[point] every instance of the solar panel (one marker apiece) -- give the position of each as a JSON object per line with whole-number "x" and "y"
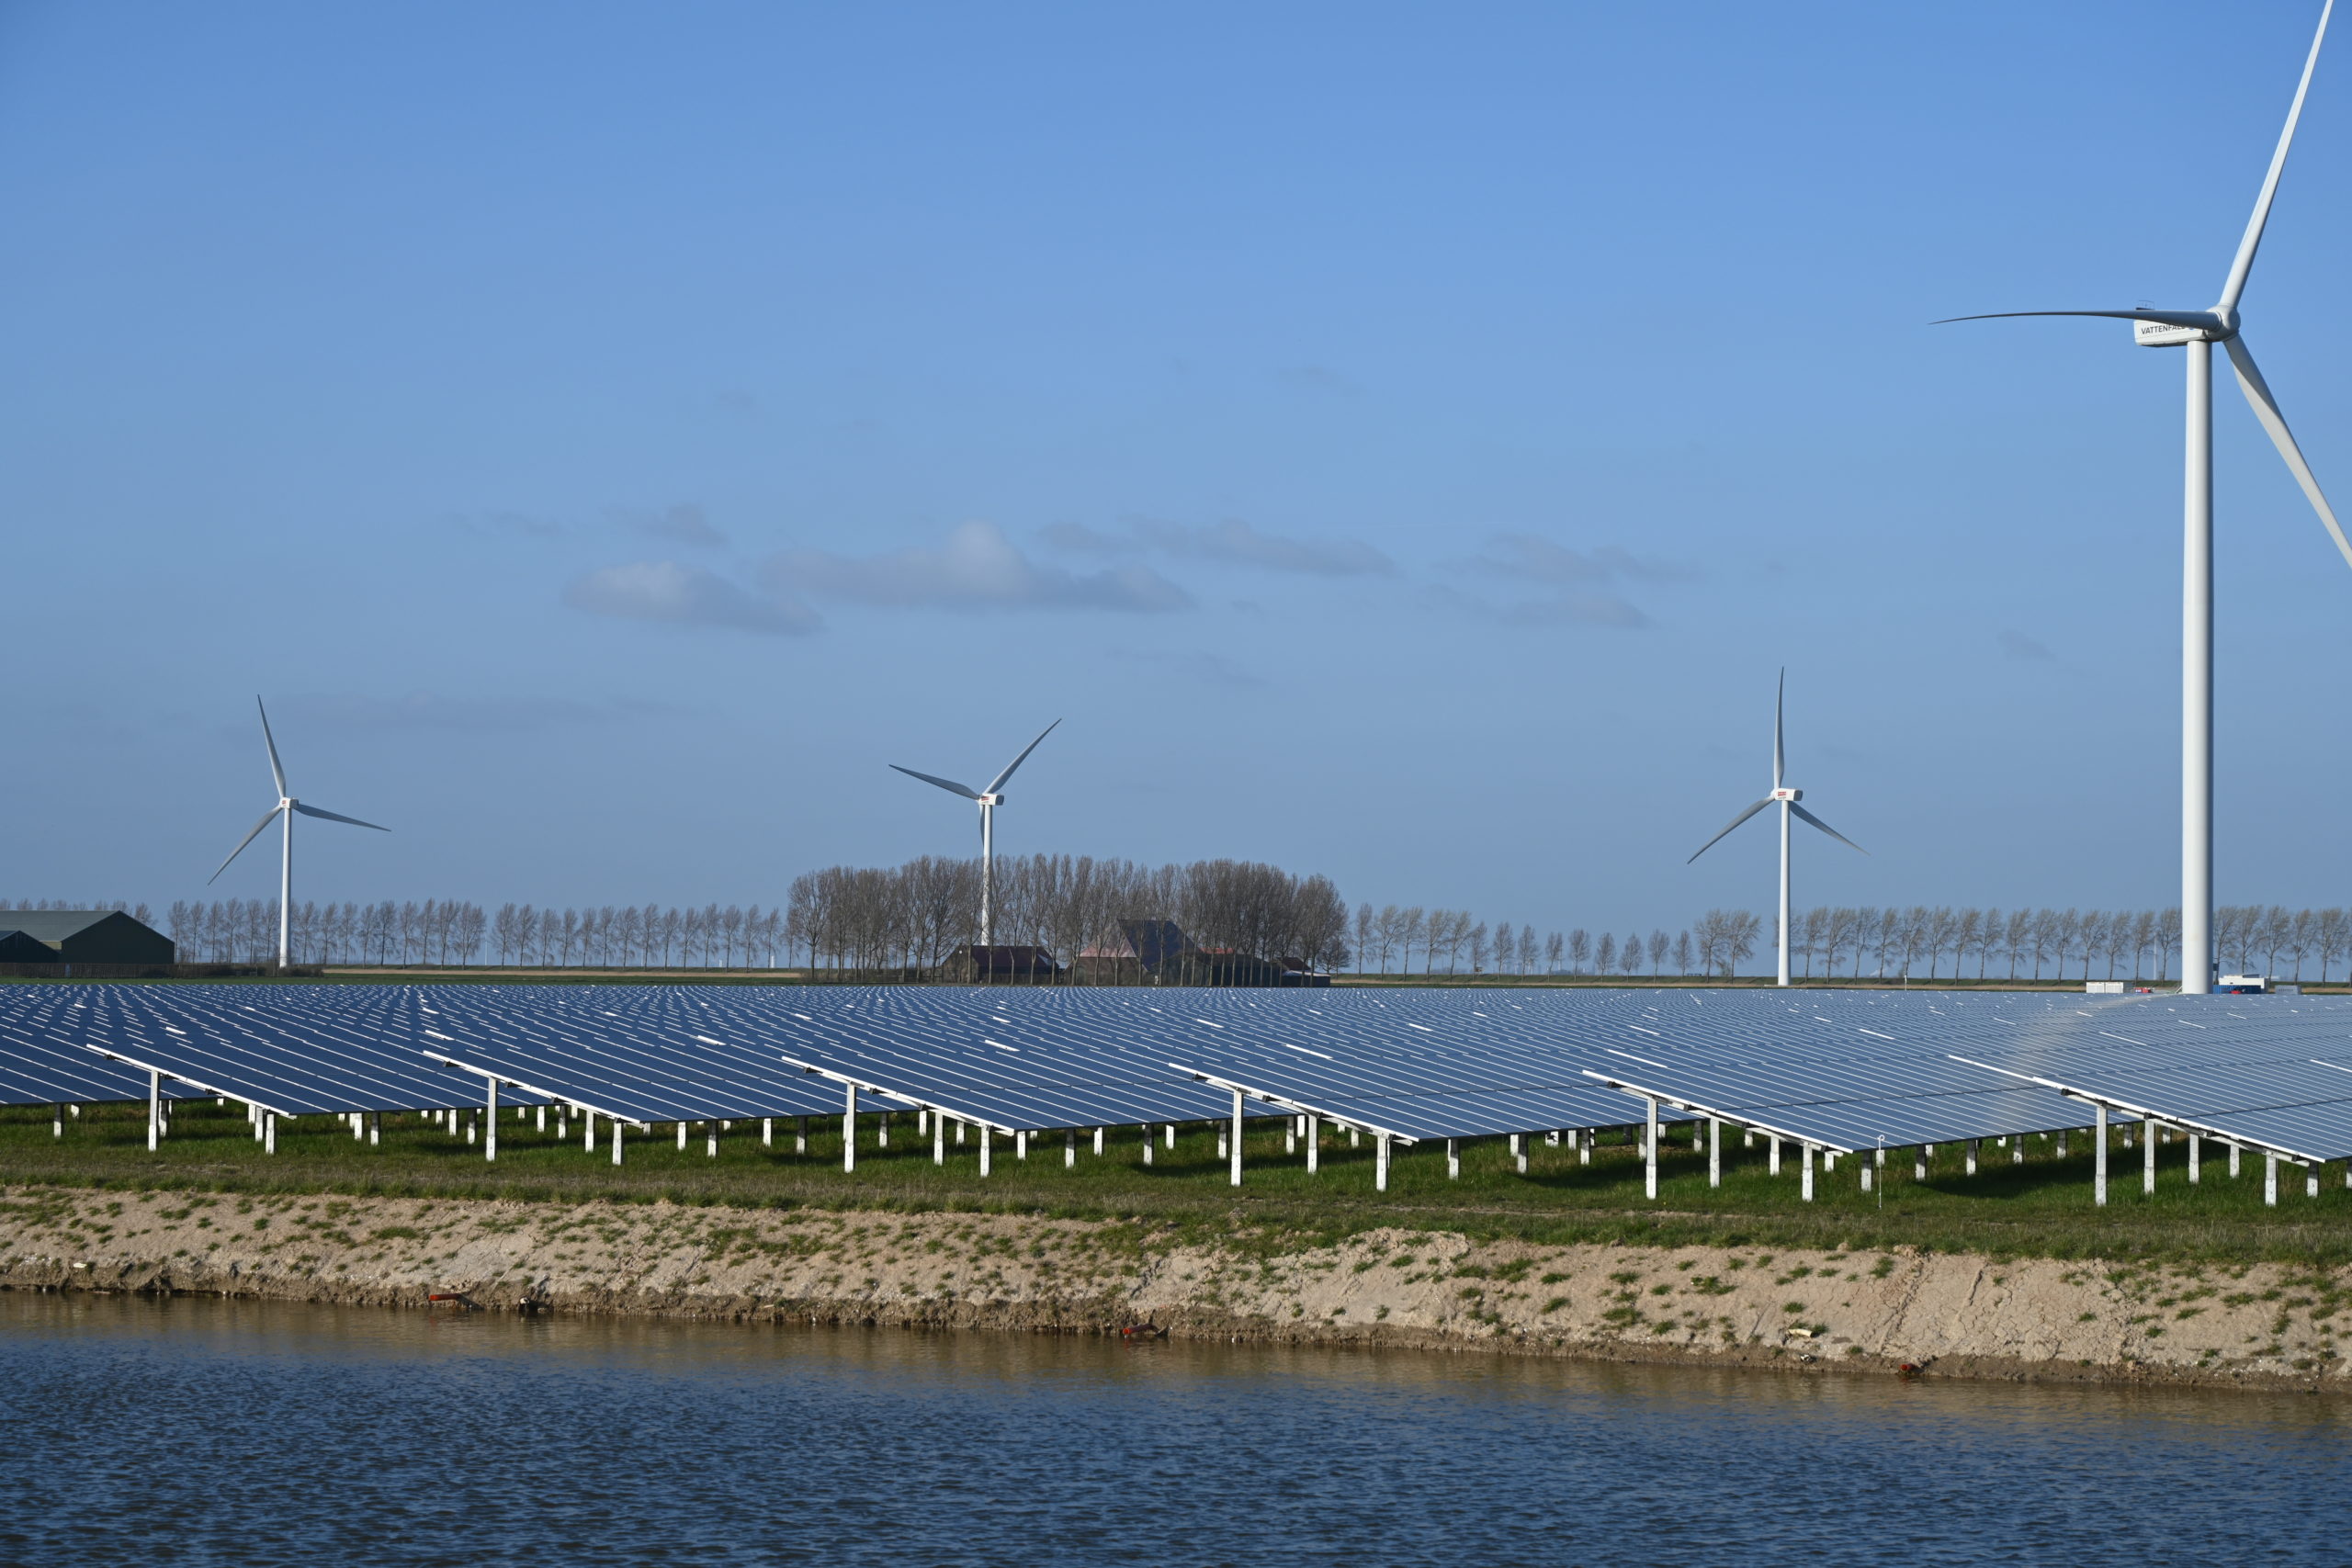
{"x": 1044, "y": 1062}
{"x": 294, "y": 1050}
{"x": 41, "y": 1058}
{"x": 636, "y": 1054}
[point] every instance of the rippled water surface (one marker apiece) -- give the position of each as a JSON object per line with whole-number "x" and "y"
{"x": 203, "y": 1431}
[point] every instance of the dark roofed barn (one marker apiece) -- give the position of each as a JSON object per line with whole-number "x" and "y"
{"x": 15, "y": 947}
{"x": 88, "y": 936}
{"x": 1001, "y": 966}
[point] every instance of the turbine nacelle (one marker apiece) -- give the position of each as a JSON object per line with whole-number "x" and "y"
{"x": 997, "y": 799}
{"x": 2177, "y": 329}
{"x": 1786, "y": 795}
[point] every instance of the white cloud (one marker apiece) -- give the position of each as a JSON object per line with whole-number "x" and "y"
{"x": 1573, "y": 585}
{"x": 685, "y": 595}
{"x": 684, "y": 523}
{"x": 1207, "y": 669}
{"x": 1529, "y": 558}
{"x": 1233, "y": 541}
{"x": 431, "y": 710}
{"x": 1560, "y": 609}
{"x": 977, "y": 568}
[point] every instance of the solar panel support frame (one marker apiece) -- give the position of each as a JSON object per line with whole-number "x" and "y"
{"x": 1295, "y": 1107}
{"x": 867, "y": 1085}
{"x": 2150, "y": 1117}
{"x": 1626, "y": 1086}
{"x": 455, "y": 1064}
{"x": 159, "y": 1075}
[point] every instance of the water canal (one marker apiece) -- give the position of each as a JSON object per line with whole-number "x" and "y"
{"x": 207, "y": 1431}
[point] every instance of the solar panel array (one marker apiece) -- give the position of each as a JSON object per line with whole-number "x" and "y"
{"x": 1842, "y": 1069}
{"x": 295, "y": 1050}
{"x": 635, "y": 1053}
{"x": 2273, "y": 1072}
{"x": 42, "y": 1058}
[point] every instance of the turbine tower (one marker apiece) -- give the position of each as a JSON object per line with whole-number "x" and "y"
{"x": 287, "y": 807}
{"x": 2198, "y": 331}
{"x": 989, "y": 799}
{"x": 1787, "y": 799}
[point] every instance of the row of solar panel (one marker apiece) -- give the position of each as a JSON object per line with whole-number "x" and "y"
{"x": 1842, "y": 1069}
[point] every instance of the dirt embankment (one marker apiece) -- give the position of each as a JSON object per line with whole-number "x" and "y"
{"x": 2257, "y": 1325}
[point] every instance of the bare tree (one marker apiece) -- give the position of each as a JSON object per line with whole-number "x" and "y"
{"x": 1813, "y": 936}
{"x": 2331, "y": 939}
{"x": 1968, "y": 936}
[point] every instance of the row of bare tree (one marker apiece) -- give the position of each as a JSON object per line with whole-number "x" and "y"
{"x": 1453, "y": 941}
{"x": 2142, "y": 944}
{"x": 245, "y": 931}
{"x": 914, "y": 916}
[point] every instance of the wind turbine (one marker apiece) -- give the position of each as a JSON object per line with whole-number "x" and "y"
{"x": 2198, "y": 330}
{"x": 989, "y": 799}
{"x": 1787, "y": 799}
{"x": 286, "y": 808}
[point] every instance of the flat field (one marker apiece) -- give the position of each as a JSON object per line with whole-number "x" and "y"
{"x": 2041, "y": 1208}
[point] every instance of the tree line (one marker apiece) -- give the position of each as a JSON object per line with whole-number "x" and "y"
{"x": 452, "y": 931}
{"x": 914, "y": 916}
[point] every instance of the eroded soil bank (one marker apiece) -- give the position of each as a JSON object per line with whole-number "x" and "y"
{"x": 2257, "y": 1325}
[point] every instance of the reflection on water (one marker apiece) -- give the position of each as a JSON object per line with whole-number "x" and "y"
{"x": 205, "y": 1431}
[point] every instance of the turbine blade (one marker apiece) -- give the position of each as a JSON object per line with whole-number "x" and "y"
{"x": 2244, "y": 263}
{"x": 335, "y": 817}
{"x": 1779, "y": 755}
{"x": 271, "y": 816}
{"x": 2265, "y": 408}
{"x": 997, "y": 782}
{"x": 270, "y": 740}
{"x": 2205, "y": 319}
{"x": 1735, "y": 822}
{"x": 950, "y": 785}
{"x": 1826, "y": 827}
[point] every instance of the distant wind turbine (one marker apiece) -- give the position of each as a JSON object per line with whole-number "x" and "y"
{"x": 2198, "y": 330}
{"x": 286, "y": 808}
{"x": 989, "y": 799}
{"x": 1787, "y": 799}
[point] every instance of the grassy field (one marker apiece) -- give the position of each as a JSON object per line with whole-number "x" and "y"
{"x": 2042, "y": 1208}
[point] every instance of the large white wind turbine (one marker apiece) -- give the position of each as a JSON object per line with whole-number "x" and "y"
{"x": 286, "y": 808}
{"x": 2198, "y": 330}
{"x": 989, "y": 799}
{"x": 1787, "y": 799}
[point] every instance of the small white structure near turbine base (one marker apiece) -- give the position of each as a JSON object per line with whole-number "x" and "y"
{"x": 2258, "y": 986}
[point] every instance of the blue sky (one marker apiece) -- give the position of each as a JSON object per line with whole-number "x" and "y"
{"x": 1401, "y": 442}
